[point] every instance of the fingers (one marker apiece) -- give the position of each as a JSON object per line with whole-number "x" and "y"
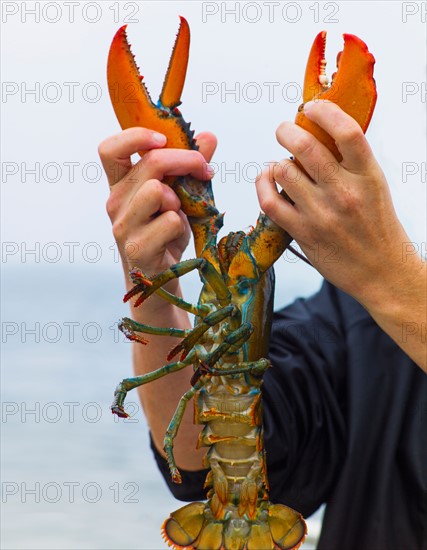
{"x": 297, "y": 185}
{"x": 151, "y": 199}
{"x": 348, "y": 135}
{"x": 148, "y": 224}
{"x": 145, "y": 246}
{"x": 274, "y": 205}
{"x": 207, "y": 143}
{"x": 152, "y": 239}
{"x": 317, "y": 160}
{"x": 115, "y": 151}
{"x": 168, "y": 227}
{"x": 156, "y": 164}
{"x": 160, "y": 163}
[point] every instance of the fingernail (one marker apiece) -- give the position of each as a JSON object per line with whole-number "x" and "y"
{"x": 308, "y": 106}
{"x": 158, "y": 138}
{"x": 210, "y": 170}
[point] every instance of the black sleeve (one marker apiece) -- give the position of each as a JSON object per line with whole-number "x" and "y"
{"x": 191, "y": 487}
{"x": 303, "y": 419}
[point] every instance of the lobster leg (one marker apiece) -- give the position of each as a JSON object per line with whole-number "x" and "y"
{"x": 256, "y": 368}
{"x": 173, "y": 428}
{"x": 209, "y": 321}
{"x": 199, "y": 310}
{"x": 234, "y": 340}
{"x": 146, "y": 287}
{"x": 129, "y": 327}
{"x": 130, "y": 383}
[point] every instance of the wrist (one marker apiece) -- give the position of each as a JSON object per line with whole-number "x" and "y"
{"x": 399, "y": 308}
{"x": 391, "y": 293}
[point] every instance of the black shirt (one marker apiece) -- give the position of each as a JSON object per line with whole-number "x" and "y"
{"x": 345, "y": 418}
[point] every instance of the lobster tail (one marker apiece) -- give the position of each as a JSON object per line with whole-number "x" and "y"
{"x": 274, "y": 527}
{"x": 183, "y": 527}
{"x": 288, "y": 529}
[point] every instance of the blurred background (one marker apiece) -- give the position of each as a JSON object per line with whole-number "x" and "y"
{"x": 74, "y": 477}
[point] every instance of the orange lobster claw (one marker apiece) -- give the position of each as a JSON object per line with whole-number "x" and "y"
{"x": 352, "y": 87}
{"x": 134, "y": 107}
{"x": 131, "y": 100}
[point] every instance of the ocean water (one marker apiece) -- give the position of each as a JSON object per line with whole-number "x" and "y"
{"x": 73, "y": 476}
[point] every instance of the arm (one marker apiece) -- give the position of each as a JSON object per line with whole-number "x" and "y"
{"x": 347, "y": 208}
{"x": 151, "y": 233}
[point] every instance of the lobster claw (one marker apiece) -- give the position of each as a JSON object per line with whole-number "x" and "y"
{"x": 352, "y": 87}
{"x": 134, "y": 107}
{"x": 131, "y": 100}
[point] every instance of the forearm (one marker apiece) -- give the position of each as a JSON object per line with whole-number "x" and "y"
{"x": 398, "y": 304}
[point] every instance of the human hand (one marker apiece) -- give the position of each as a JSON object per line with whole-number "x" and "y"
{"x": 150, "y": 229}
{"x": 343, "y": 216}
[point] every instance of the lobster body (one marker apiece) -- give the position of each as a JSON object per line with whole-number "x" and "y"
{"x": 228, "y": 345}
{"x": 229, "y": 406}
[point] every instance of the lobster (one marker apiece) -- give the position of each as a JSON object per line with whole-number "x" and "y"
{"x": 228, "y": 345}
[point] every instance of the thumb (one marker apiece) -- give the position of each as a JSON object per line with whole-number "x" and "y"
{"x": 207, "y": 143}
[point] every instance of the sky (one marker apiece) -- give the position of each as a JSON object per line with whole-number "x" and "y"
{"x": 56, "y": 109}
